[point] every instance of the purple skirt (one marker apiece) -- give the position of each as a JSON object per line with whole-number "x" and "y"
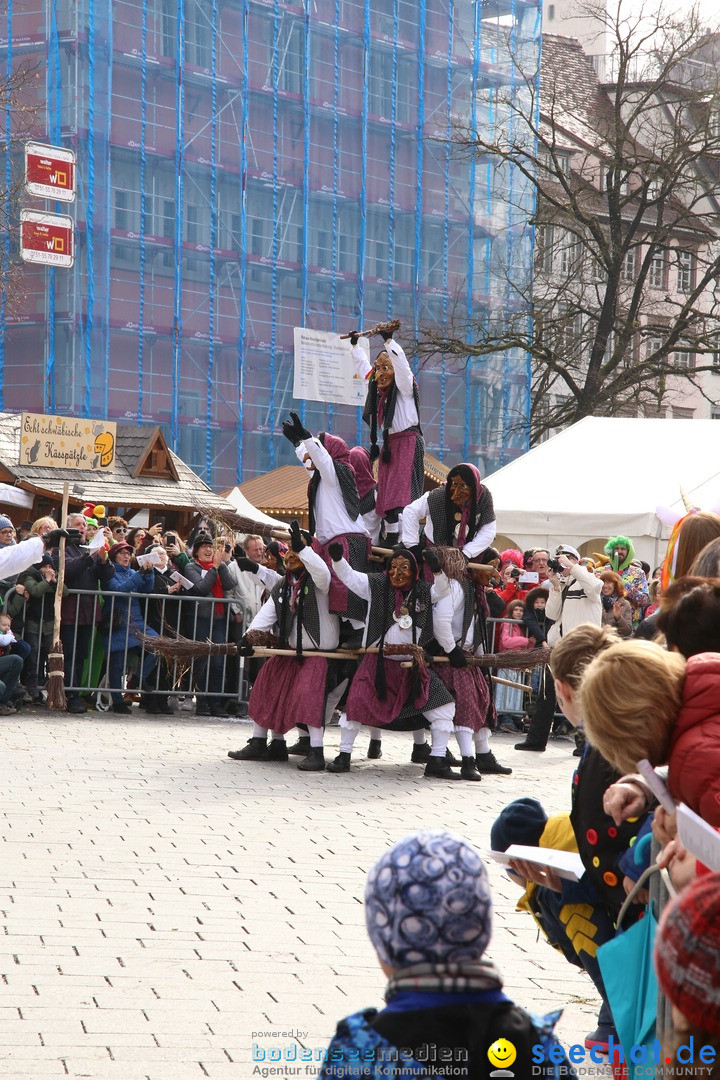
{"x": 400, "y": 481}
{"x": 356, "y": 548}
{"x": 287, "y": 693}
{"x": 364, "y": 706}
{"x": 471, "y": 693}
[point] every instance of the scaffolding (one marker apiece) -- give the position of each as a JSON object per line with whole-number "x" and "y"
{"x": 256, "y": 165}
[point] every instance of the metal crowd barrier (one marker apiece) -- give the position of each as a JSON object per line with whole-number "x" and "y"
{"x": 197, "y": 618}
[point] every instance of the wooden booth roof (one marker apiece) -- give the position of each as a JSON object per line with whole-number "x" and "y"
{"x": 282, "y": 493}
{"x": 146, "y": 473}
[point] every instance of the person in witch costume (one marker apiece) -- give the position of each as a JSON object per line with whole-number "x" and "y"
{"x": 367, "y": 490}
{"x": 458, "y": 513}
{"x": 384, "y": 694}
{"x": 392, "y": 406}
{"x": 459, "y": 631}
{"x": 334, "y": 509}
{"x": 292, "y": 690}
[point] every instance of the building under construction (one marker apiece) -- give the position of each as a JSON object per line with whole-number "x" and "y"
{"x": 249, "y": 166}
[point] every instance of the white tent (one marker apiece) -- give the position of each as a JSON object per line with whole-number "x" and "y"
{"x": 246, "y": 508}
{"x": 605, "y": 476}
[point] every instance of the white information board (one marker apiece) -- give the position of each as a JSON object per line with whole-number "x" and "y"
{"x": 324, "y": 370}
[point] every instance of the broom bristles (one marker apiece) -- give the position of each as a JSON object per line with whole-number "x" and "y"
{"x": 242, "y": 523}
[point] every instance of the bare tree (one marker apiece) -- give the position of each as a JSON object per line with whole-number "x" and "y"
{"x": 624, "y": 296}
{"x": 18, "y": 114}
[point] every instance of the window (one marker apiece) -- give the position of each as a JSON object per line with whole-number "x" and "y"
{"x": 380, "y": 86}
{"x": 292, "y": 58}
{"x": 551, "y": 12}
{"x": 197, "y": 31}
{"x": 715, "y": 413}
{"x": 622, "y": 187}
{"x": 657, "y": 274}
{"x": 544, "y": 247}
{"x": 685, "y": 271}
{"x": 628, "y": 271}
{"x": 653, "y": 344}
{"x": 685, "y": 358}
{"x": 122, "y": 203}
{"x": 561, "y": 164}
{"x": 570, "y": 254}
{"x": 682, "y": 414}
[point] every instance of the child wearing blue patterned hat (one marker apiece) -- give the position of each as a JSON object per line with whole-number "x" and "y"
{"x": 428, "y": 912}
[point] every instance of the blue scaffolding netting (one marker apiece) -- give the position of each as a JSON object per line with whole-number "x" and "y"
{"x": 248, "y": 167}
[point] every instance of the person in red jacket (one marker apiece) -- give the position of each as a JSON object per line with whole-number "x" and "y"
{"x": 641, "y": 701}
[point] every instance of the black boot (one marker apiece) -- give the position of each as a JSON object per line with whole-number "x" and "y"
{"x": 453, "y": 761}
{"x": 528, "y": 745}
{"x": 420, "y": 753}
{"x": 488, "y": 763}
{"x": 164, "y": 707}
{"x": 301, "y": 747}
{"x": 340, "y": 764}
{"x": 469, "y": 770}
{"x": 148, "y": 702}
{"x": 256, "y": 749}
{"x": 314, "y": 762}
{"x": 375, "y": 749}
{"x": 438, "y": 768}
{"x": 278, "y": 750}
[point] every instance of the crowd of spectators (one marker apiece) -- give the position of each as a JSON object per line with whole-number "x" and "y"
{"x": 135, "y": 583}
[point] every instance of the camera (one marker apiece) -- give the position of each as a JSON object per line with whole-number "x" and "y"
{"x": 556, "y": 566}
{"x": 515, "y": 573}
{"x": 228, "y": 549}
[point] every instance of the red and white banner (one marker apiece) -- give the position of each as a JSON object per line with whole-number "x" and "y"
{"x": 47, "y": 238}
{"x": 50, "y": 172}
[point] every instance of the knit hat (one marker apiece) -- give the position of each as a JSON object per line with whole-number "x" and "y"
{"x": 687, "y": 953}
{"x": 5, "y": 522}
{"x": 200, "y": 539}
{"x": 521, "y": 822}
{"x": 115, "y": 549}
{"x": 427, "y": 900}
{"x": 46, "y": 560}
{"x": 512, "y": 555}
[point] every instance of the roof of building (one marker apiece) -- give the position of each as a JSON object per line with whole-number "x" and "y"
{"x": 146, "y": 472}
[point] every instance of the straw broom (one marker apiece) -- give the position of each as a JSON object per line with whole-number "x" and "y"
{"x": 244, "y": 524}
{"x": 56, "y": 658}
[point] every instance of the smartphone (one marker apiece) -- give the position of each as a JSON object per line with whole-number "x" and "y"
{"x": 530, "y": 577}
{"x": 171, "y": 540}
{"x": 161, "y": 523}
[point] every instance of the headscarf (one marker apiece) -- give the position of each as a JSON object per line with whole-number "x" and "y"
{"x": 470, "y": 475}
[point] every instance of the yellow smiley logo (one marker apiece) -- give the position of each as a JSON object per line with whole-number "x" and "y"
{"x": 502, "y": 1053}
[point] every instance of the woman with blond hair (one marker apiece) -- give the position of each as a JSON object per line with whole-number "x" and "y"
{"x": 671, "y": 716}
{"x": 616, "y": 610}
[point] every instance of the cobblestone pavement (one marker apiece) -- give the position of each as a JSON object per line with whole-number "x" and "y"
{"x": 165, "y": 908}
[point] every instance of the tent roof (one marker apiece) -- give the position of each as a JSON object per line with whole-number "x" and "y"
{"x": 608, "y": 474}
{"x": 246, "y": 508}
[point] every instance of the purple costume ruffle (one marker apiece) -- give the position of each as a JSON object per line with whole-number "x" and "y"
{"x": 397, "y": 482}
{"x": 287, "y": 693}
{"x": 364, "y": 706}
{"x": 471, "y": 693}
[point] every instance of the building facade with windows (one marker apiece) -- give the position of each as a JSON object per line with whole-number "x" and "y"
{"x": 250, "y": 166}
{"x": 627, "y": 249}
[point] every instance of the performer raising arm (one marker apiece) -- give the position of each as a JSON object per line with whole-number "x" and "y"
{"x": 393, "y": 406}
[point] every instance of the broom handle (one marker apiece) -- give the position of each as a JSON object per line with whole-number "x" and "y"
{"x": 61, "y": 563}
{"x": 338, "y": 654}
